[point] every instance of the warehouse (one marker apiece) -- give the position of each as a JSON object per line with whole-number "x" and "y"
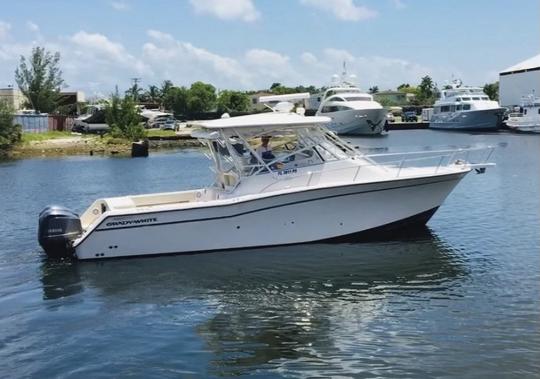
{"x": 519, "y": 80}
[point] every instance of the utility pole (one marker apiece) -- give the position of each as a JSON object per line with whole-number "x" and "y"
{"x": 135, "y": 82}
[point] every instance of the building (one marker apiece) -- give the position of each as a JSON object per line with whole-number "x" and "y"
{"x": 13, "y": 97}
{"x": 519, "y": 80}
{"x": 396, "y": 98}
{"x": 254, "y": 105}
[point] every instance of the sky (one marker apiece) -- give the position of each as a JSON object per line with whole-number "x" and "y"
{"x": 250, "y": 44}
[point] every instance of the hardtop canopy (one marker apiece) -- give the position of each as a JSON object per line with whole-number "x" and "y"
{"x": 272, "y": 120}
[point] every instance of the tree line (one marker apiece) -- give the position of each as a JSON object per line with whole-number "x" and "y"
{"x": 39, "y": 78}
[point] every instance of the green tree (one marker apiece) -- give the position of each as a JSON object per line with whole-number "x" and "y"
{"x": 40, "y": 79}
{"x": 152, "y": 94}
{"x": 134, "y": 91}
{"x": 123, "y": 118}
{"x": 165, "y": 87}
{"x": 426, "y": 92}
{"x": 232, "y": 101}
{"x": 201, "y": 98}
{"x": 373, "y": 89}
{"x": 492, "y": 90}
{"x": 176, "y": 100}
{"x": 9, "y": 132}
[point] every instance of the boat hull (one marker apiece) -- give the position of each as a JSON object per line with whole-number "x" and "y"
{"x": 486, "y": 119}
{"x": 358, "y": 121}
{"x": 335, "y": 213}
{"x": 521, "y": 127}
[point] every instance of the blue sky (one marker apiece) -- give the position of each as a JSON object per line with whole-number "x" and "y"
{"x": 249, "y": 44}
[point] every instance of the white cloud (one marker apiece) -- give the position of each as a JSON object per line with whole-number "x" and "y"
{"x": 94, "y": 63}
{"x": 4, "y": 29}
{"x": 120, "y": 5}
{"x": 32, "y": 26}
{"x": 345, "y": 10}
{"x": 243, "y": 10}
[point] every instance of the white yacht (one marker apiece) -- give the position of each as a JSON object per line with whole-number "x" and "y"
{"x": 528, "y": 119}
{"x": 352, "y": 111}
{"x": 280, "y": 178}
{"x": 466, "y": 108}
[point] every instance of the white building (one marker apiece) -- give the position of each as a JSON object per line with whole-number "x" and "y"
{"x": 13, "y": 97}
{"x": 519, "y": 80}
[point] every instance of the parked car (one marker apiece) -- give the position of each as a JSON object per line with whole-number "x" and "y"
{"x": 390, "y": 117}
{"x": 409, "y": 116}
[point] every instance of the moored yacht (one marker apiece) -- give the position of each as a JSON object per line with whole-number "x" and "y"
{"x": 280, "y": 178}
{"x": 352, "y": 111}
{"x": 465, "y": 108}
{"x": 528, "y": 119}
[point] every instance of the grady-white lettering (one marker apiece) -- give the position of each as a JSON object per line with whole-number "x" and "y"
{"x": 132, "y": 222}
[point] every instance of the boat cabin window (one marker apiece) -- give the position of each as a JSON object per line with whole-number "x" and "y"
{"x": 476, "y": 98}
{"x": 358, "y": 98}
{"x": 485, "y": 98}
{"x": 466, "y": 107}
{"x": 466, "y": 98}
{"x": 334, "y": 108}
{"x": 458, "y": 107}
{"x": 445, "y": 108}
{"x": 337, "y": 98}
{"x": 539, "y": 111}
{"x": 525, "y": 111}
{"x": 458, "y": 98}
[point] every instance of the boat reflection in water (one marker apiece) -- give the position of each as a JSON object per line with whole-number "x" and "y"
{"x": 269, "y": 308}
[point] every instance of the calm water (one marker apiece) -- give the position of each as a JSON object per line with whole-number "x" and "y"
{"x": 460, "y": 300}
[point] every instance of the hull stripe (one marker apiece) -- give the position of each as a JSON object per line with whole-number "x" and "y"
{"x": 270, "y": 207}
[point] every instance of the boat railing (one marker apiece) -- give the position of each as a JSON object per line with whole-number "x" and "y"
{"x": 434, "y": 163}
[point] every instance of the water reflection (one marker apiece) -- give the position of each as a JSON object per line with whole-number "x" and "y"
{"x": 270, "y": 306}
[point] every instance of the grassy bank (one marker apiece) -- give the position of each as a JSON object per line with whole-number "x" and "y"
{"x": 53, "y": 144}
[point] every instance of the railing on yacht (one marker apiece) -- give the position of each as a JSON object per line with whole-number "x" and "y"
{"x": 435, "y": 163}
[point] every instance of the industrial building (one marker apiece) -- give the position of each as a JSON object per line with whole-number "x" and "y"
{"x": 519, "y": 80}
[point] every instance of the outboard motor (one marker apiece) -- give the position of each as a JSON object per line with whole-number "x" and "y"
{"x": 58, "y": 227}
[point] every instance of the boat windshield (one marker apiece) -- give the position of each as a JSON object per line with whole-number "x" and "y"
{"x": 245, "y": 152}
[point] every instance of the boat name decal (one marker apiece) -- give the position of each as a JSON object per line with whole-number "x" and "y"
{"x": 132, "y": 222}
{"x": 288, "y": 171}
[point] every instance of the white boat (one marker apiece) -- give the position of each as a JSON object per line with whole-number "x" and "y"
{"x": 466, "y": 108}
{"x": 352, "y": 111}
{"x": 528, "y": 119}
{"x": 304, "y": 185}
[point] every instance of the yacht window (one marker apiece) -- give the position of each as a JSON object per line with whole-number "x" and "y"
{"x": 445, "y": 108}
{"x": 524, "y": 111}
{"x": 458, "y": 98}
{"x": 485, "y": 98}
{"x": 539, "y": 111}
{"x": 330, "y": 109}
{"x": 458, "y": 107}
{"x": 337, "y": 99}
{"x": 358, "y": 98}
{"x": 476, "y": 98}
{"x": 466, "y": 98}
{"x": 466, "y": 107}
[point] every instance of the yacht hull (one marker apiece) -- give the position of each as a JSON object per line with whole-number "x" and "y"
{"x": 358, "y": 121}
{"x": 521, "y": 127}
{"x": 320, "y": 214}
{"x": 486, "y": 119}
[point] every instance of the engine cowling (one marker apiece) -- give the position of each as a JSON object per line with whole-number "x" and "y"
{"x": 58, "y": 227}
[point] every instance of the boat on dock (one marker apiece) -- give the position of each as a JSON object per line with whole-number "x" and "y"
{"x": 528, "y": 119}
{"x": 280, "y": 178}
{"x": 466, "y": 108}
{"x": 352, "y": 111}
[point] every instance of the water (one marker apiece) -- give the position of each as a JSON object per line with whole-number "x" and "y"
{"x": 460, "y": 300}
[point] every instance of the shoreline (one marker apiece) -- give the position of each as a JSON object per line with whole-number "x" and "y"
{"x": 92, "y": 145}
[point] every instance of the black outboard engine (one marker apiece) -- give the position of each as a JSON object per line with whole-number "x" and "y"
{"x": 58, "y": 227}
